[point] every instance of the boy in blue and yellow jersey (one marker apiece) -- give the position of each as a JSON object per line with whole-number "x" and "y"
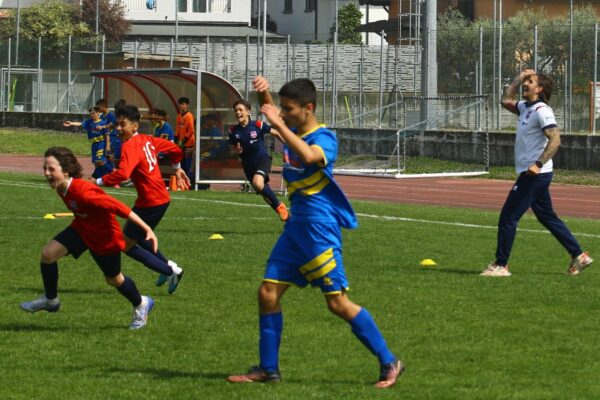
{"x": 162, "y": 129}
{"x": 310, "y": 248}
{"x": 247, "y": 139}
{"x": 97, "y": 136}
{"x": 113, "y": 144}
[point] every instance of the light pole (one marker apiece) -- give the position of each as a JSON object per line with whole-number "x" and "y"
{"x": 176, "y": 24}
{"x": 264, "y": 47}
{"x": 18, "y": 28}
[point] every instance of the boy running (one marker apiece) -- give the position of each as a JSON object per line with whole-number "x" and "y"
{"x": 139, "y": 162}
{"x": 310, "y": 248}
{"x": 247, "y": 139}
{"x": 95, "y": 228}
{"x": 113, "y": 144}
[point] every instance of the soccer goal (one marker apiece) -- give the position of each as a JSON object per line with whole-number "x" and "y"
{"x": 453, "y": 140}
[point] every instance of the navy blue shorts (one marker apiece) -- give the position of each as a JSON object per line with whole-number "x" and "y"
{"x": 109, "y": 264}
{"x": 150, "y": 215}
{"x": 260, "y": 166}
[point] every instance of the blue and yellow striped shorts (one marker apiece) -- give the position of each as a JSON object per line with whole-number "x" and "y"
{"x": 308, "y": 252}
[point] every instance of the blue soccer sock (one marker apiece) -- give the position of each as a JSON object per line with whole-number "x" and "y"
{"x": 365, "y": 329}
{"x": 149, "y": 259}
{"x": 269, "y": 196}
{"x": 270, "y": 327}
{"x": 130, "y": 291}
{"x": 147, "y": 245}
{"x": 50, "y": 279}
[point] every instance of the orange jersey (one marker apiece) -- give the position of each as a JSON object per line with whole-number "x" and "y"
{"x": 185, "y": 129}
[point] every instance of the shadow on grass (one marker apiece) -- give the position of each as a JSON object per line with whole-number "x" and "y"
{"x": 40, "y": 289}
{"x": 450, "y": 271}
{"x": 164, "y": 373}
{"x": 20, "y": 327}
{"x": 16, "y": 327}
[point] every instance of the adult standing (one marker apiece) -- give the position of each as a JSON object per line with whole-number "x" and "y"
{"x": 537, "y": 140}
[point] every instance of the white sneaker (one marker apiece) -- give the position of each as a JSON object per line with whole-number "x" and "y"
{"x": 41, "y": 304}
{"x": 579, "y": 263}
{"x": 140, "y": 313}
{"x": 496, "y": 270}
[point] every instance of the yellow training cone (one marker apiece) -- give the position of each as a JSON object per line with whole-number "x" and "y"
{"x": 427, "y": 262}
{"x": 216, "y": 236}
{"x": 49, "y": 216}
{"x": 63, "y": 214}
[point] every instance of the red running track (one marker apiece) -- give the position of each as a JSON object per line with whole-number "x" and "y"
{"x": 569, "y": 200}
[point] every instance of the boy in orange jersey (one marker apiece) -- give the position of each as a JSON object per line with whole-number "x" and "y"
{"x": 185, "y": 133}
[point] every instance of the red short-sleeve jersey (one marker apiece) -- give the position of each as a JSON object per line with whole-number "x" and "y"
{"x": 139, "y": 162}
{"x": 95, "y": 213}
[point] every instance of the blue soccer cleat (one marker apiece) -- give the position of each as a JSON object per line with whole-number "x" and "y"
{"x": 174, "y": 280}
{"x": 41, "y": 304}
{"x": 141, "y": 312}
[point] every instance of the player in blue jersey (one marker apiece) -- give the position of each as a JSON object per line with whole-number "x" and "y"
{"x": 162, "y": 129}
{"x": 97, "y": 136}
{"x": 113, "y": 145}
{"x": 309, "y": 251}
{"x": 247, "y": 139}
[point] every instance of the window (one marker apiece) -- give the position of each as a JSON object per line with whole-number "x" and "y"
{"x": 287, "y": 6}
{"x": 181, "y": 5}
{"x": 311, "y": 5}
{"x": 199, "y": 6}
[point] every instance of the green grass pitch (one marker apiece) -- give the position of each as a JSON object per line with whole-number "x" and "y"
{"x": 462, "y": 336}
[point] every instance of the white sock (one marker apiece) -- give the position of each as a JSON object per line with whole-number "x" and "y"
{"x": 144, "y": 302}
{"x": 52, "y": 301}
{"x": 176, "y": 269}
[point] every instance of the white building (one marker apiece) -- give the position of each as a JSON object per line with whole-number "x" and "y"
{"x": 203, "y": 11}
{"x": 311, "y": 20}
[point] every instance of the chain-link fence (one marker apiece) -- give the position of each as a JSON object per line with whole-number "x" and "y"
{"x": 358, "y": 86}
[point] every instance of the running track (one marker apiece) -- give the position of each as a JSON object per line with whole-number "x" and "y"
{"x": 488, "y": 194}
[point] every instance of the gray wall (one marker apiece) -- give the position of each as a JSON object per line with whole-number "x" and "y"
{"x": 576, "y": 152}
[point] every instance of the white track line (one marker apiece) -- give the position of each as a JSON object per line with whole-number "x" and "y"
{"x": 371, "y": 216}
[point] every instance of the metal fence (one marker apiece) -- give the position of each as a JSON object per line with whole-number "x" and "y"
{"x": 358, "y": 86}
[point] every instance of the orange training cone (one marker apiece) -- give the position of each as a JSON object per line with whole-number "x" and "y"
{"x": 173, "y": 184}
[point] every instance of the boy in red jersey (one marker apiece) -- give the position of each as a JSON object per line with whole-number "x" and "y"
{"x": 139, "y": 162}
{"x": 185, "y": 133}
{"x": 94, "y": 228}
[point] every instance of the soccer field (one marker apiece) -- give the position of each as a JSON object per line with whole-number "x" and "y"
{"x": 531, "y": 336}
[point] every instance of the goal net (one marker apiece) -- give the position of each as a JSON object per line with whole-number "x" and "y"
{"x": 453, "y": 140}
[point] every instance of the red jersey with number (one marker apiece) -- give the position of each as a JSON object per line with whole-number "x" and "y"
{"x": 139, "y": 162}
{"x": 95, "y": 213}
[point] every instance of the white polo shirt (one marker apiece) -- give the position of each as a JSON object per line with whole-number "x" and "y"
{"x": 530, "y": 142}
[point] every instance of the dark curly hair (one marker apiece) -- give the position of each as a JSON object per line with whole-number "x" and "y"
{"x": 67, "y": 160}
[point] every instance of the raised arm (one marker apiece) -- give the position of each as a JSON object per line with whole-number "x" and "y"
{"x": 71, "y": 123}
{"x": 308, "y": 154}
{"x": 261, "y": 85}
{"x": 508, "y": 101}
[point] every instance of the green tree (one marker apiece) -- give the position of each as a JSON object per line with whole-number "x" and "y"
{"x": 52, "y": 20}
{"x": 112, "y": 22}
{"x": 458, "y": 47}
{"x": 349, "y": 20}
